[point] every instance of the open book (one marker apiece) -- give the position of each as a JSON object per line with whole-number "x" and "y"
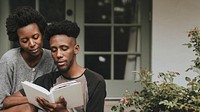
{"x": 71, "y": 91}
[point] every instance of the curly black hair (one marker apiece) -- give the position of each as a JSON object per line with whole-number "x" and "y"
{"x": 21, "y": 17}
{"x": 65, "y": 27}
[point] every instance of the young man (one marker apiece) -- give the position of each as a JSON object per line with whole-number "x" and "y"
{"x": 64, "y": 48}
{"x": 25, "y": 26}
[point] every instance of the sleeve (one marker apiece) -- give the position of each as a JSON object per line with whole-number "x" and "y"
{"x": 5, "y": 80}
{"x": 97, "y": 98}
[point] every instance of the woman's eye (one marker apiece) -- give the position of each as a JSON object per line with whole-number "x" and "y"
{"x": 36, "y": 36}
{"x": 24, "y": 40}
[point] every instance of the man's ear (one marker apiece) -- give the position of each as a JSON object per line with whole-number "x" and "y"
{"x": 76, "y": 49}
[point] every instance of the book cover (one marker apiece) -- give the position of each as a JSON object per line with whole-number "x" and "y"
{"x": 71, "y": 91}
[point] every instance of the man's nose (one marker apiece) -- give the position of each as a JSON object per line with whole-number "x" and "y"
{"x": 59, "y": 53}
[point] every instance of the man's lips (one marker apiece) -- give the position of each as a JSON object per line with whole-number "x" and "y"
{"x": 60, "y": 63}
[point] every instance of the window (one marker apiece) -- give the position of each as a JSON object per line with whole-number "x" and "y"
{"x": 52, "y": 10}
{"x": 17, "y": 3}
{"x": 117, "y": 41}
{"x": 113, "y": 40}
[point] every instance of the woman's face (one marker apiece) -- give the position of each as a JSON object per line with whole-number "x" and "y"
{"x": 30, "y": 39}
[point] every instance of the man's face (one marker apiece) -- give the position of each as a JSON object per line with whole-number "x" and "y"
{"x": 30, "y": 39}
{"x": 63, "y": 50}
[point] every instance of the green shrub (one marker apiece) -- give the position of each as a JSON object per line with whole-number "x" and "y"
{"x": 166, "y": 96}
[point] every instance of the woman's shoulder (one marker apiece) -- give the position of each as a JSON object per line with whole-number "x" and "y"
{"x": 47, "y": 57}
{"x": 46, "y": 51}
{"x": 11, "y": 54}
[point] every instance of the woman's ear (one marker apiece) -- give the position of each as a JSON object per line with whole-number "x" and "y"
{"x": 76, "y": 49}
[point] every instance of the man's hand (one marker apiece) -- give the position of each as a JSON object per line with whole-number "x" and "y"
{"x": 60, "y": 106}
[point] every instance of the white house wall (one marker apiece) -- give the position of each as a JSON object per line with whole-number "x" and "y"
{"x": 172, "y": 19}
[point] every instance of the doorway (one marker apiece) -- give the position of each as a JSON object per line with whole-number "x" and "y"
{"x": 115, "y": 36}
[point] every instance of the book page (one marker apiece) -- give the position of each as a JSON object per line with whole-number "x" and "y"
{"x": 71, "y": 91}
{"x": 32, "y": 91}
{"x": 73, "y": 94}
{"x": 64, "y": 84}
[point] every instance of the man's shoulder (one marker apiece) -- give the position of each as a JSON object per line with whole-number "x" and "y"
{"x": 92, "y": 75}
{"x": 95, "y": 82}
{"x": 48, "y": 76}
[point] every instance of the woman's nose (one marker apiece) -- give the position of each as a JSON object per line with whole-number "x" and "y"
{"x": 32, "y": 43}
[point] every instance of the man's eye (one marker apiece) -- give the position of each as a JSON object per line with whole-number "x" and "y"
{"x": 64, "y": 48}
{"x": 53, "y": 49}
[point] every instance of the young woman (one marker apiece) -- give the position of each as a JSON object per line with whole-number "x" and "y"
{"x": 25, "y": 26}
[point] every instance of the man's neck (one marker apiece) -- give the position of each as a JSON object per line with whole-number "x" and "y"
{"x": 74, "y": 72}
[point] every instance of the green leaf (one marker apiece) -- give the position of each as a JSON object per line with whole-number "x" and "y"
{"x": 187, "y": 79}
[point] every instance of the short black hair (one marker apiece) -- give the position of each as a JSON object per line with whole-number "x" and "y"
{"x": 21, "y": 17}
{"x": 65, "y": 27}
